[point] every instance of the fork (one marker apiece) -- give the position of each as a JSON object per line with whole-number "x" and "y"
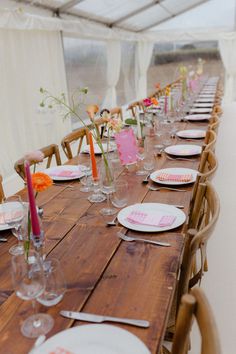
{"x": 145, "y": 180}
{"x": 113, "y": 222}
{"x": 130, "y": 239}
{"x": 167, "y": 188}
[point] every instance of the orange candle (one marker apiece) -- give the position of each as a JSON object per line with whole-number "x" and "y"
{"x": 92, "y": 157}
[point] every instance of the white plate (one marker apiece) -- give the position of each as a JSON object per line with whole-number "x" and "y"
{"x": 203, "y": 105}
{"x": 206, "y": 95}
{"x": 15, "y": 206}
{"x": 201, "y": 110}
{"x": 97, "y": 149}
{"x": 205, "y": 100}
{"x": 191, "y": 134}
{"x": 174, "y": 171}
{"x": 183, "y": 150}
{"x": 64, "y": 168}
{"x": 94, "y": 339}
{"x": 196, "y": 117}
{"x": 145, "y": 207}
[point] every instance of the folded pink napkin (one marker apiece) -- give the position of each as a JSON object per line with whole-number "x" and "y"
{"x": 175, "y": 178}
{"x": 65, "y": 173}
{"x": 150, "y": 219}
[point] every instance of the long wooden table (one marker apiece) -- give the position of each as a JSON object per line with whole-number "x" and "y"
{"x": 104, "y": 274}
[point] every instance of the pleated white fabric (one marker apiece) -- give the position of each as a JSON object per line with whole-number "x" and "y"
{"x": 143, "y": 58}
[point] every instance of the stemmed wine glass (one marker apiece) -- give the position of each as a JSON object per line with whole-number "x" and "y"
{"x": 13, "y": 213}
{"x": 29, "y": 283}
{"x": 107, "y": 187}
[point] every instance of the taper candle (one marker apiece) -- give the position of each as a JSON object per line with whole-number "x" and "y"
{"x": 92, "y": 157}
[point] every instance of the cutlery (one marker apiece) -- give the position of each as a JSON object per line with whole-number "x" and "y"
{"x": 167, "y": 188}
{"x": 82, "y": 316}
{"x": 145, "y": 180}
{"x": 63, "y": 185}
{"x": 40, "y": 340}
{"x": 3, "y": 239}
{"x": 130, "y": 239}
{"x": 180, "y": 158}
{"x": 113, "y": 222}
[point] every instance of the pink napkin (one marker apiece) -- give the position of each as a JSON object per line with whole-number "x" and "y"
{"x": 175, "y": 178}
{"x": 60, "y": 350}
{"x": 65, "y": 173}
{"x": 150, "y": 219}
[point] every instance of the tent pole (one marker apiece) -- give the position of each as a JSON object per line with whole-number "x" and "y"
{"x": 235, "y": 15}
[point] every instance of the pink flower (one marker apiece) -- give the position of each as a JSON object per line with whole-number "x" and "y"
{"x": 147, "y": 102}
{"x": 34, "y": 156}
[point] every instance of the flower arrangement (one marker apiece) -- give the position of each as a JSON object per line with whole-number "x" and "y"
{"x": 150, "y": 102}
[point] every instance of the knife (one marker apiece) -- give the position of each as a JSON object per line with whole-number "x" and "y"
{"x": 82, "y": 316}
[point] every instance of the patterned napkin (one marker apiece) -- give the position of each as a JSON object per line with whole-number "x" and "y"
{"x": 150, "y": 218}
{"x": 174, "y": 177}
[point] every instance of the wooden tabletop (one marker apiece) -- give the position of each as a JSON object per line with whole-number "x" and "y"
{"x": 104, "y": 275}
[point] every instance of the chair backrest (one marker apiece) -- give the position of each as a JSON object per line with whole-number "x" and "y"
{"x": 217, "y": 109}
{"x": 48, "y": 151}
{"x": 201, "y": 224}
{"x": 2, "y": 195}
{"x": 196, "y": 306}
{"x": 210, "y": 140}
{"x": 116, "y": 112}
{"x": 77, "y": 135}
{"x": 208, "y": 165}
{"x": 214, "y": 123}
{"x": 133, "y": 106}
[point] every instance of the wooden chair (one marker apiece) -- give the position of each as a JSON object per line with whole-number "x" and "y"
{"x": 133, "y": 106}
{"x": 214, "y": 123}
{"x": 208, "y": 165}
{"x": 116, "y": 112}
{"x": 210, "y": 140}
{"x": 2, "y": 195}
{"x": 48, "y": 151}
{"x": 201, "y": 224}
{"x": 78, "y": 136}
{"x": 217, "y": 109}
{"x": 196, "y": 306}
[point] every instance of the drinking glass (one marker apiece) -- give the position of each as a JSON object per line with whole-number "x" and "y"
{"x": 29, "y": 283}
{"x": 120, "y": 196}
{"x": 107, "y": 178}
{"x": 149, "y": 161}
{"x": 140, "y": 156}
{"x": 55, "y": 286}
{"x": 14, "y": 211}
{"x": 97, "y": 196}
{"x": 87, "y": 182}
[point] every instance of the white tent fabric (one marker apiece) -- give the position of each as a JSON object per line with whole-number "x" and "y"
{"x": 143, "y": 57}
{"x": 29, "y": 60}
{"x": 113, "y": 72}
{"x": 227, "y": 45}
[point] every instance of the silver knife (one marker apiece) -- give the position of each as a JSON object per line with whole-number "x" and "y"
{"x": 82, "y": 316}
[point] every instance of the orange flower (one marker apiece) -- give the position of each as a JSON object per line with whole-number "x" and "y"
{"x": 154, "y": 101}
{"x": 41, "y": 181}
{"x": 92, "y": 109}
{"x": 158, "y": 85}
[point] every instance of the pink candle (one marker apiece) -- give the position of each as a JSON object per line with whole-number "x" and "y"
{"x": 32, "y": 205}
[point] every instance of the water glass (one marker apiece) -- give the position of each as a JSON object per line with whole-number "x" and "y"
{"x": 120, "y": 195}
{"x": 86, "y": 180}
{"x": 29, "y": 283}
{"x": 149, "y": 161}
{"x": 107, "y": 178}
{"x": 55, "y": 285}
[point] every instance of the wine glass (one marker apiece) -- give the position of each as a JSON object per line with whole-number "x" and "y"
{"x": 29, "y": 283}
{"x": 87, "y": 183}
{"x": 140, "y": 156}
{"x": 14, "y": 212}
{"x": 107, "y": 178}
{"x": 55, "y": 283}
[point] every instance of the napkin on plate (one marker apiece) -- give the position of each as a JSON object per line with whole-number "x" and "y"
{"x": 150, "y": 218}
{"x": 13, "y": 216}
{"x": 65, "y": 173}
{"x": 174, "y": 177}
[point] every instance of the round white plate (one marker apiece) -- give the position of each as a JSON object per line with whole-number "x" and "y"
{"x": 203, "y": 105}
{"x": 183, "y": 150}
{"x": 196, "y": 117}
{"x": 174, "y": 171}
{"x": 204, "y": 100}
{"x": 145, "y": 207}
{"x": 97, "y": 149}
{"x": 200, "y": 110}
{"x": 206, "y": 95}
{"x": 191, "y": 134}
{"x": 63, "y": 168}
{"x": 94, "y": 339}
{"x": 15, "y": 206}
